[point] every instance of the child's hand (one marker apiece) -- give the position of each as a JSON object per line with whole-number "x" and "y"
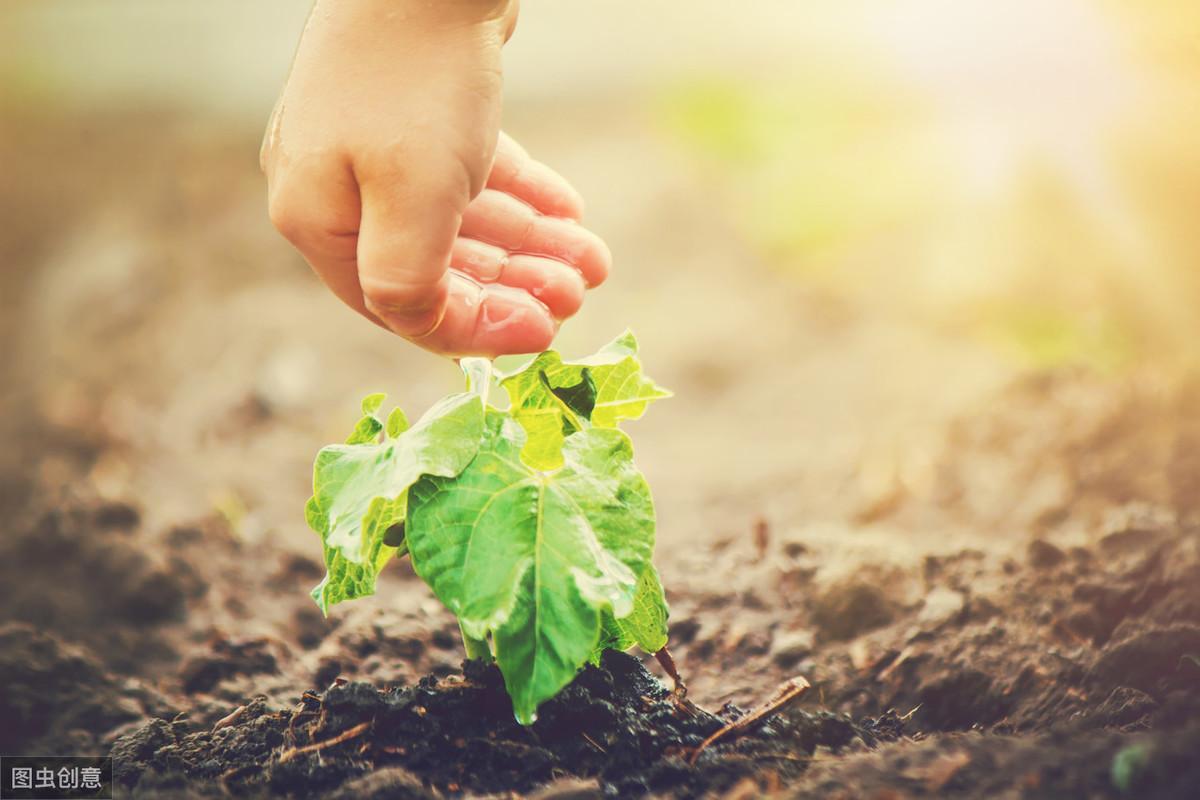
{"x": 377, "y": 159}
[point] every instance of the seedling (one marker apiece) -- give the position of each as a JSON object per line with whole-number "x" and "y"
{"x": 531, "y": 523}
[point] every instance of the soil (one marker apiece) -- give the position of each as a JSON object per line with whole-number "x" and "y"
{"x": 616, "y": 726}
{"x": 994, "y": 587}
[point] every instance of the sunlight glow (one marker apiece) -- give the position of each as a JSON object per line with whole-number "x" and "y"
{"x": 994, "y": 165}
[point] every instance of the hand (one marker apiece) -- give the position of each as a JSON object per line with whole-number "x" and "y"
{"x": 386, "y": 169}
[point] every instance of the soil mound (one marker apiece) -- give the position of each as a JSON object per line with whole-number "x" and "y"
{"x": 616, "y": 727}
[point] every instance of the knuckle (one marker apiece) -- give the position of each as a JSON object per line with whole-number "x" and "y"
{"x": 305, "y": 227}
{"x": 287, "y": 216}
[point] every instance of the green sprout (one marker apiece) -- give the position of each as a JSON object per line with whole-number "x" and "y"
{"x": 531, "y": 523}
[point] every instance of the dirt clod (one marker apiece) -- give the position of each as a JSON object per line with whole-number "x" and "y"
{"x": 51, "y": 689}
{"x": 1044, "y": 555}
{"x": 225, "y": 659}
{"x": 615, "y": 725}
{"x": 851, "y": 607}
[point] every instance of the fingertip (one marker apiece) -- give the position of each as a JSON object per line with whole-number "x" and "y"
{"x": 511, "y": 322}
{"x": 489, "y": 320}
{"x": 573, "y": 244}
{"x": 559, "y": 286}
{"x": 549, "y": 192}
{"x": 532, "y": 182}
{"x": 600, "y": 264}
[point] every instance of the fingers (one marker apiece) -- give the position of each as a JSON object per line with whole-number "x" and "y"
{"x": 405, "y": 236}
{"x": 516, "y": 173}
{"x": 480, "y": 260}
{"x": 556, "y": 285}
{"x": 385, "y": 245}
{"x": 500, "y": 219}
{"x": 491, "y": 320}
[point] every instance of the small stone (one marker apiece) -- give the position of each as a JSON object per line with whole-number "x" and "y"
{"x": 747, "y": 642}
{"x": 790, "y": 647}
{"x": 941, "y": 606}
{"x": 851, "y": 607}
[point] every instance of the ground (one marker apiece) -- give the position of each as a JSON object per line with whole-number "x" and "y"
{"x": 989, "y": 574}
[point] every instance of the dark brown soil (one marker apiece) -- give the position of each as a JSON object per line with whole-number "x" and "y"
{"x": 1015, "y": 613}
{"x": 1038, "y": 688}
{"x": 615, "y": 725}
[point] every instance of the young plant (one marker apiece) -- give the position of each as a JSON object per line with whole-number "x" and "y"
{"x": 530, "y": 523}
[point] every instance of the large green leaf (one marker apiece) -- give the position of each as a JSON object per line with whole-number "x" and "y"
{"x": 645, "y": 626}
{"x": 359, "y": 488}
{"x": 533, "y": 559}
{"x": 552, "y": 398}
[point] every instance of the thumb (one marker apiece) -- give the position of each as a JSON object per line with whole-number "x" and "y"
{"x": 405, "y": 237}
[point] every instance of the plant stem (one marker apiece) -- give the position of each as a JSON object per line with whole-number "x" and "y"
{"x": 476, "y": 648}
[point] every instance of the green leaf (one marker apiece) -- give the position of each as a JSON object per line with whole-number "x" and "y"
{"x": 372, "y": 402}
{"x": 1129, "y": 766}
{"x": 645, "y": 626}
{"x": 580, "y": 398}
{"x": 359, "y": 488}
{"x": 366, "y": 431}
{"x": 550, "y": 397}
{"x": 397, "y": 422}
{"x": 534, "y": 559}
{"x": 346, "y": 578}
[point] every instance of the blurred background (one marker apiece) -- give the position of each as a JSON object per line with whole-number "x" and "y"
{"x": 924, "y": 277}
{"x": 1022, "y": 174}
{"x": 837, "y": 230}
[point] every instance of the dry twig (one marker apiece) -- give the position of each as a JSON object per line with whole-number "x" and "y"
{"x": 344, "y": 736}
{"x": 230, "y": 719}
{"x": 592, "y": 742}
{"x": 786, "y": 694}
